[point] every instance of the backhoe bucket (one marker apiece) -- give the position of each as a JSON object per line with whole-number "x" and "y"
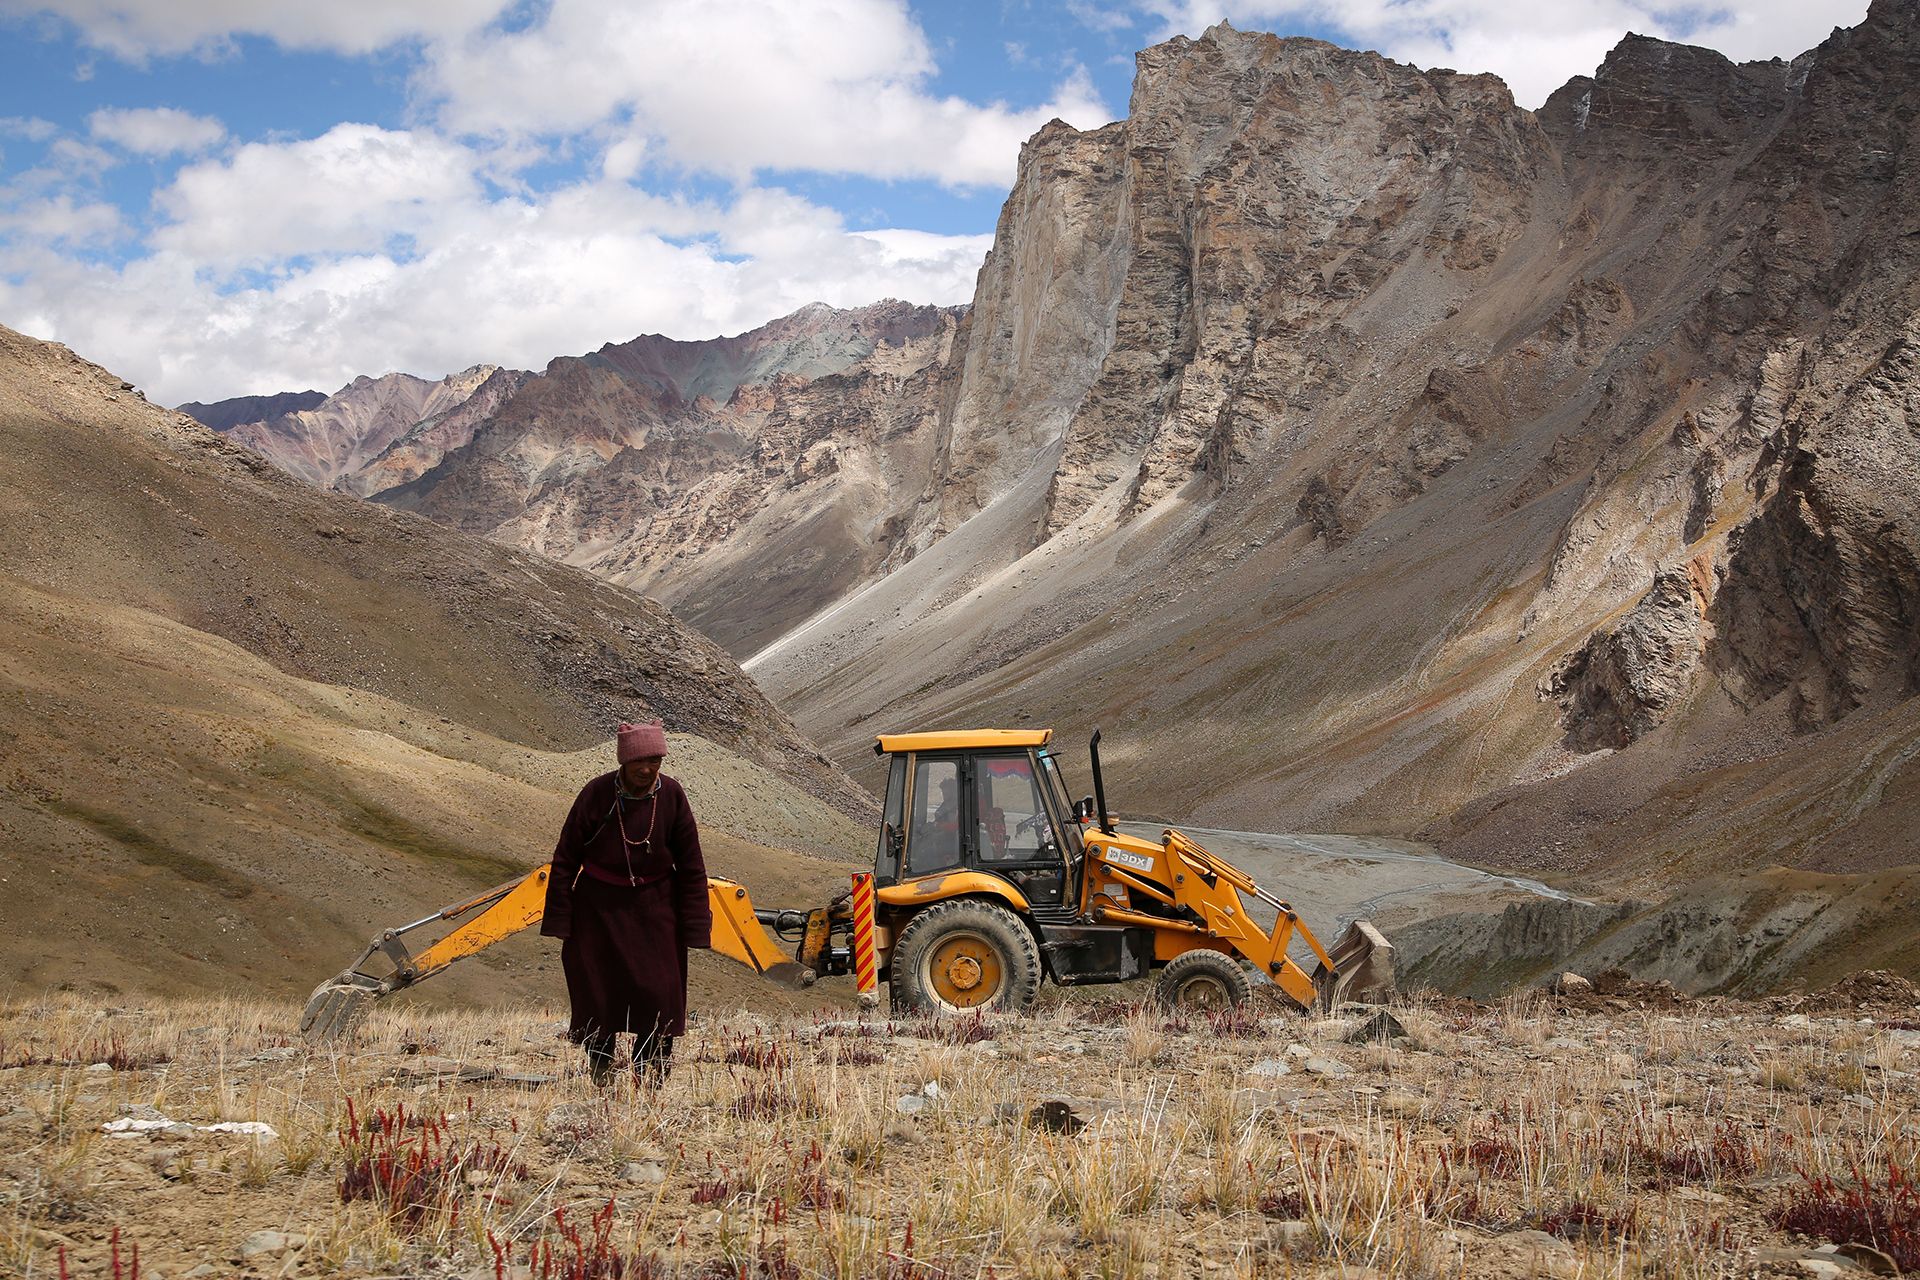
{"x": 337, "y": 1005}
{"x": 739, "y": 935}
{"x": 1362, "y": 967}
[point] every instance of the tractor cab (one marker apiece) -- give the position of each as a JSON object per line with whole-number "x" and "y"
{"x": 987, "y": 800}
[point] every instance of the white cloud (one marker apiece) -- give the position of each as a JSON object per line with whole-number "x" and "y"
{"x": 511, "y": 280}
{"x": 624, "y": 158}
{"x": 155, "y": 131}
{"x": 137, "y": 29}
{"x": 1534, "y": 47}
{"x": 74, "y": 158}
{"x": 835, "y": 86}
{"x": 1097, "y": 15}
{"x": 56, "y": 219}
{"x": 353, "y": 189}
{"x": 32, "y": 128}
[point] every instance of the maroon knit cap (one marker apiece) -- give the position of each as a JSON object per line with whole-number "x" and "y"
{"x": 638, "y": 741}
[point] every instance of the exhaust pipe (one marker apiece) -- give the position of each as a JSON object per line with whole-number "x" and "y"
{"x": 1099, "y": 785}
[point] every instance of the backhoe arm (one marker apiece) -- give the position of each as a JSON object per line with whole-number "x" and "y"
{"x": 337, "y": 1005}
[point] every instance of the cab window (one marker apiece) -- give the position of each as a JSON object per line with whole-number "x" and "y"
{"x": 893, "y": 831}
{"x": 1062, "y": 811}
{"x": 933, "y": 840}
{"x": 1012, "y": 819}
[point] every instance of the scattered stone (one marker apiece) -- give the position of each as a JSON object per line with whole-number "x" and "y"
{"x": 1868, "y": 989}
{"x": 1865, "y": 1255}
{"x": 1382, "y": 1028}
{"x": 268, "y": 1244}
{"x": 1406, "y": 1105}
{"x": 1618, "y": 984}
{"x": 136, "y": 1126}
{"x": 279, "y": 1053}
{"x": 252, "y": 1128}
{"x": 1056, "y": 1117}
{"x": 911, "y": 1104}
{"x": 1813, "y": 1262}
{"x": 1330, "y": 1067}
{"x": 1291, "y": 1236}
{"x": 1569, "y": 983}
{"x": 647, "y": 1171}
{"x": 1544, "y": 1254}
{"x": 1269, "y": 1068}
{"x": 441, "y": 1068}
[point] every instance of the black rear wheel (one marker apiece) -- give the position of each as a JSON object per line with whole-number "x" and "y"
{"x": 962, "y": 956}
{"x": 1202, "y": 980}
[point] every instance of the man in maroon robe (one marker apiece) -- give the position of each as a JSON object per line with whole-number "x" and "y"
{"x": 628, "y": 894}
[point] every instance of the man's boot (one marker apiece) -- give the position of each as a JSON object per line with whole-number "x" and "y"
{"x": 652, "y": 1061}
{"x": 599, "y": 1060}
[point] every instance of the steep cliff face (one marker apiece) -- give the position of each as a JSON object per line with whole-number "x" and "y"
{"x": 1274, "y": 192}
{"x": 1431, "y": 450}
{"x": 1360, "y": 450}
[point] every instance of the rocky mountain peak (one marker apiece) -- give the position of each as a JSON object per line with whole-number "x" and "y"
{"x": 1371, "y": 444}
{"x": 373, "y": 432}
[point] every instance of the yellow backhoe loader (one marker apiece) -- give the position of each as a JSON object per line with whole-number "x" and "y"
{"x": 986, "y": 880}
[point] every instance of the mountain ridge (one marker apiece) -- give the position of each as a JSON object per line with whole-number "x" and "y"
{"x": 1389, "y": 456}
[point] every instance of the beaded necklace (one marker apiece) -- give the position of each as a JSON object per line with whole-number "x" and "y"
{"x": 627, "y": 842}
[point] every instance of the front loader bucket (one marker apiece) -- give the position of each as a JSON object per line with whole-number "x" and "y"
{"x": 337, "y": 1005}
{"x": 1362, "y": 967}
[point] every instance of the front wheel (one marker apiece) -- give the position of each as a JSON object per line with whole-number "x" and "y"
{"x": 962, "y": 956}
{"x": 1202, "y": 981}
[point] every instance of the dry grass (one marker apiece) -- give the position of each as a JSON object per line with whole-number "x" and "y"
{"x": 1513, "y": 1141}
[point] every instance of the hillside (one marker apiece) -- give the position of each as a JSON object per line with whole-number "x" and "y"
{"x": 247, "y": 723}
{"x": 1427, "y": 448}
{"x": 1363, "y": 452}
{"x": 1434, "y": 460}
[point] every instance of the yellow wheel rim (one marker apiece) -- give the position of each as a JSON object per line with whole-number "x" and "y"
{"x": 964, "y": 971}
{"x": 1202, "y": 991}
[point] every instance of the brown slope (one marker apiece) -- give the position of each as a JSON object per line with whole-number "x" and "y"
{"x": 247, "y": 722}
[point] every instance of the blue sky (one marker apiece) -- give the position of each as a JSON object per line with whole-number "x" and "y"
{"x": 224, "y": 197}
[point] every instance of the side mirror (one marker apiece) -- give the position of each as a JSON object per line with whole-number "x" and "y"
{"x": 1083, "y": 810}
